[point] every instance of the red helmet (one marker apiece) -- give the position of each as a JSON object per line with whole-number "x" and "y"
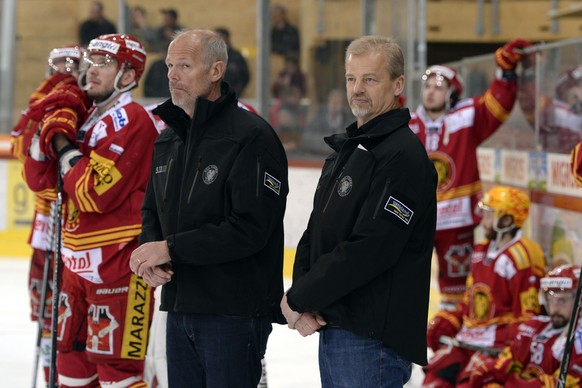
{"x": 563, "y": 278}
{"x": 125, "y": 49}
{"x": 450, "y": 74}
{"x": 567, "y": 79}
{"x": 71, "y": 54}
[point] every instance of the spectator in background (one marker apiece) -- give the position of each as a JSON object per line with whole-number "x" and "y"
{"x": 237, "y": 71}
{"x": 290, "y": 75}
{"x": 284, "y": 36}
{"x": 95, "y": 25}
{"x": 331, "y": 118}
{"x": 165, "y": 33}
{"x": 156, "y": 81}
{"x": 140, "y": 27}
{"x": 289, "y": 100}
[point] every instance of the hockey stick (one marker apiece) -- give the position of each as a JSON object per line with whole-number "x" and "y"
{"x": 45, "y": 283}
{"x": 451, "y": 341}
{"x": 52, "y": 383}
{"x": 570, "y": 337}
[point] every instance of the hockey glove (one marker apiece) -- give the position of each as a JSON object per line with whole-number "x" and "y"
{"x": 444, "y": 323}
{"x": 508, "y": 56}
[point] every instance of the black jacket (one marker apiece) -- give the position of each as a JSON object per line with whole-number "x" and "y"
{"x": 364, "y": 260}
{"x": 217, "y": 194}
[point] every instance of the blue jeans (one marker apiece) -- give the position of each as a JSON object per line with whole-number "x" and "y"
{"x": 347, "y": 361}
{"x": 206, "y": 351}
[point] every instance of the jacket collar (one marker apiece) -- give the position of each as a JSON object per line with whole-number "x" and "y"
{"x": 176, "y": 118}
{"x": 375, "y": 129}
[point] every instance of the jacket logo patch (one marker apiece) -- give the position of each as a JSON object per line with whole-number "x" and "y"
{"x": 209, "y": 174}
{"x": 161, "y": 169}
{"x": 272, "y": 183}
{"x": 399, "y": 209}
{"x": 345, "y": 186}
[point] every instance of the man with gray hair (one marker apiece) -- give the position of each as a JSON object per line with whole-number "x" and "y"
{"x": 362, "y": 269}
{"x": 212, "y": 232}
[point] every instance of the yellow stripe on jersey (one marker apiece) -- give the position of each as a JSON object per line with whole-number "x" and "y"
{"x": 100, "y": 238}
{"x": 536, "y": 256}
{"x": 495, "y": 107}
{"x": 86, "y": 203}
{"x": 461, "y": 191}
{"x": 137, "y": 316}
{"x": 520, "y": 256}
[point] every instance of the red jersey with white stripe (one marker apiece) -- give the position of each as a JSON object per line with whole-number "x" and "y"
{"x": 451, "y": 142}
{"x": 105, "y": 189}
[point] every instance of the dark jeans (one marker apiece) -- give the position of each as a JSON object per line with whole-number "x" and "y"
{"x": 347, "y": 361}
{"x": 206, "y": 351}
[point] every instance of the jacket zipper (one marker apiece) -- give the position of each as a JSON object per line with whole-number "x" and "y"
{"x": 194, "y": 182}
{"x": 258, "y": 176}
{"x": 333, "y": 189}
{"x": 167, "y": 179}
{"x": 381, "y": 199}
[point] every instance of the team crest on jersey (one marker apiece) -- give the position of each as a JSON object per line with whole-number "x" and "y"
{"x": 102, "y": 324}
{"x": 445, "y": 168}
{"x": 272, "y": 183}
{"x": 482, "y": 302}
{"x": 209, "y": 174}
{"x": 399, "y": 209}
{"x": 345, "y": 186}
{"x": 72, "y": 222}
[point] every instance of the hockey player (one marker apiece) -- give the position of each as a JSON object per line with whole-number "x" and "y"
{"x": 105, "y": 310}
{"x": 533, "y": 359}
{"x": 502, "y": 289}
{"x": 561, "y": 127}
{"x": 62, "y": 70}
{"x": 451, "y": 130}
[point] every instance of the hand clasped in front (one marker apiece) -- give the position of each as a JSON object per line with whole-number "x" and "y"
{"x": 151, "y": 261}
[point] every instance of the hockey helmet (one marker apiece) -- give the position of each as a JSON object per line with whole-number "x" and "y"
{"x": 125, "y": 49}
{"x": 505, "y": 200}
{"x": 561, "y": 279}
{"x": 454, "y": 80}
{"x": 70, "y": 55}
{"x": 568, "y": 79}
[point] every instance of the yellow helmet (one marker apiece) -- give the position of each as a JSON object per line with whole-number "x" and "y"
{"x": 505, "y": 200}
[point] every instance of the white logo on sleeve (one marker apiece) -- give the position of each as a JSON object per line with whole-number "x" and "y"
{"x": 399, "y": 209}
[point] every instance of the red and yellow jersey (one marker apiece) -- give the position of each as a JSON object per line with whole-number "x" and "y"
{"x": 502, "y": 291}
{"x": 576, "y": 163}
{"x": 105, "y": 189}
{"x": 21, "y": 136}
{"x": 536, "y": 355}
{"x": 451, "y": 142}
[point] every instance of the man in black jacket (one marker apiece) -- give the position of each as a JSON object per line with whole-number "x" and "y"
{"x": 362, "y": 270}
{"x": 213, "y": 222}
